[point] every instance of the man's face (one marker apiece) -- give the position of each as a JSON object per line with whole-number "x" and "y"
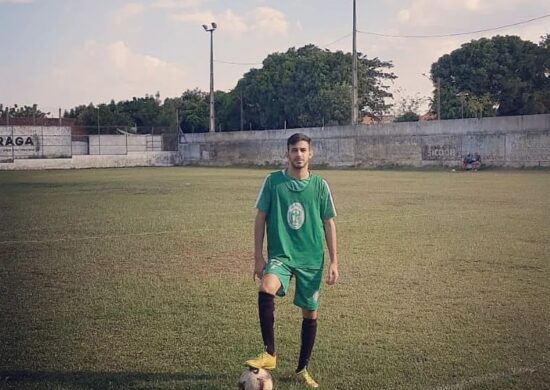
{"x": 299, "y": 154}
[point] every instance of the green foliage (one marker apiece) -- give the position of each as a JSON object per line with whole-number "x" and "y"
{"x": 310, "y": 87}
{"x": 228, "y": 110}
{"x": 195, "y": 111}
{"x": 408, "y": 107}
{"x": 303, "y": 87}
{"x": 23, "y": 112}
{"x": 408, "y": 116}
{"x": 142, "y": 114}
{"x": 503, "y": 75}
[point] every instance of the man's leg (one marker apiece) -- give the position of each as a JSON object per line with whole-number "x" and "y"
{"x": 271, "y": 284}
{"x": 308, "y": 283}
{"x": 309, "y": 332}
{"x": 266, "y": 310}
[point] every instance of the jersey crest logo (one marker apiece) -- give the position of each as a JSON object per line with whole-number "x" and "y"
{"x": 295, "y": 216}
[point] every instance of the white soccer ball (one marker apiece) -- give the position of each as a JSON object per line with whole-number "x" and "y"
{"x": 255, "y": 379}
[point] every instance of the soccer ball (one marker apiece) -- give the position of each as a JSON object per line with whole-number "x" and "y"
{"x": 255, "y": 379}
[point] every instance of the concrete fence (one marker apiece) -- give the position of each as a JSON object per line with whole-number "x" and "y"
{"x": 519, "y": 141}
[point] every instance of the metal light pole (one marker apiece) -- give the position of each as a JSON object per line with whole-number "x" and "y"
{"x": 354, "y": 105}
{"x": 462, "y": 96}
{"x": 212, "y": 113}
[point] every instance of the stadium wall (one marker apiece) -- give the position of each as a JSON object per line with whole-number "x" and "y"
{"x": 18, "y": 142}
{"x": 132, "y": 159}
{"x": 55, "y": 147}
{"x": 518, "y": 141}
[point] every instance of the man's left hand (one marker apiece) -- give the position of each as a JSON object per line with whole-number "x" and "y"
{"x": 332, "y": 274}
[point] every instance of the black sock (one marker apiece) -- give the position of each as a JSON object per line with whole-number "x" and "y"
{"x": 309, "y": 331}
{"x": 266, "y": 309}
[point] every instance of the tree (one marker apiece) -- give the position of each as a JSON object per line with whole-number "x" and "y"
{"x": 310, "y": 87}
{"x": 23, "y": 112}
{"x": 504, "y": 74}
{"x": 302, "y": 87}
{"x": 228, "y": 110}
{"x": 408, "y": 107}
{"x": 408, "y": 116}
{"x": 195, "y": 111}
{"x": 545, "y": 43}
{"x": 169, "y": 113}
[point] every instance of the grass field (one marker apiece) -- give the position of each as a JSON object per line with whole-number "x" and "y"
{"x": 141, "y": 279}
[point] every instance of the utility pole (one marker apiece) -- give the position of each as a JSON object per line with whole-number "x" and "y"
{"x": 462, "y": 96}
{"x": 212, "y": 114}
{"x": 354, "y": 105}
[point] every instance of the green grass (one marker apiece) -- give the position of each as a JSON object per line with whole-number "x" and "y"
{"x": 142, "y": 278}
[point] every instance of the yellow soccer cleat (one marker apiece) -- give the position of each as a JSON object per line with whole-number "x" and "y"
{"x": 263, "y": 360}
{"x": 304, "y": 377}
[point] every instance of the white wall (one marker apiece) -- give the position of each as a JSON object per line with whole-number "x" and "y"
{"x": 34, "y": 142}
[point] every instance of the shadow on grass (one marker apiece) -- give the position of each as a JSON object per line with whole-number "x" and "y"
{"x": 111, "y": 380}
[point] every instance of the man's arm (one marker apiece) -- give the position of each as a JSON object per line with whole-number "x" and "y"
{"x": 330, "y": 237}
{"x": 259, "y": 232}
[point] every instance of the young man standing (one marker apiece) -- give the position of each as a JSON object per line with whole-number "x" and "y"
{"x": 296, "y": 208}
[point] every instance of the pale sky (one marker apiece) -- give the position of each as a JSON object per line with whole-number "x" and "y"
{"x": 63, "y": 53}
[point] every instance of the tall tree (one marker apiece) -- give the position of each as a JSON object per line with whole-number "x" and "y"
{"x": 302, "y": 87}
{"x": 24, "y": 112}
{"x": 311, "y": 87}
{"x": 194, "y": 111}
{"x": 503, "y": 75}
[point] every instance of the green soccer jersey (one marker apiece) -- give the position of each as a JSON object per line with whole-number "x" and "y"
{"x": 295, "y": 212}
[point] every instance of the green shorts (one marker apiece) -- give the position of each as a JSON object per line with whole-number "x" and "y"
{"x": 308, "y": 283}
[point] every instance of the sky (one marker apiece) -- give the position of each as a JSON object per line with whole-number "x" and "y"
{"x": 64, "y": 53}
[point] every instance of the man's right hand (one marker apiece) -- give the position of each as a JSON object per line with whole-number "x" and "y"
{"x": 259, "y": 265}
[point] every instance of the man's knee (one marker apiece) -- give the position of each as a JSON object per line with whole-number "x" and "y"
{"x": 270, "y": 284}
{"x": 310, "y": 314}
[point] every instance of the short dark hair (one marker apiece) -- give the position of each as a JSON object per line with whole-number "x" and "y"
{"x": 297, "y": 137}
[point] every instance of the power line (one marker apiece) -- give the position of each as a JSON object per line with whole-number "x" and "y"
{"x": 455, "y": 34}
{"x": 337, "y": 40}
{"x": 238, "y": 63}
{"x": 406, "y": 36}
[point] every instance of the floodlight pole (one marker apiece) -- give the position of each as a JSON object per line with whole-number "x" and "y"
{"x": 212, "y": 112}
{"x": 354, "y": 105}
